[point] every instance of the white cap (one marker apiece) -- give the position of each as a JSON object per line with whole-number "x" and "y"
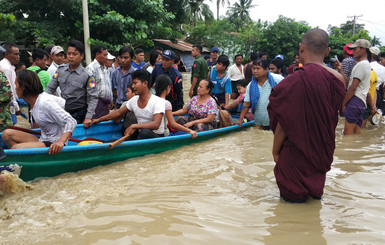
{"x": 375, "y": 50}
{"x": 110, "y": 56}
{"x": 57, "y": 49}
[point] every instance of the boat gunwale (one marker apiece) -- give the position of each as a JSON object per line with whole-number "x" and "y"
{"x": 74, "y": 148}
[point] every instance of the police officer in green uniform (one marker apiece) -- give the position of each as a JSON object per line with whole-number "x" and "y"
{"x": 199, "y": 69}
{"x": 77, "y": 86}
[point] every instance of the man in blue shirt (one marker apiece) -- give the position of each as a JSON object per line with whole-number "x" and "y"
{"x": 138, "y": 62}
{"x": 121, "y": 77}
{"x": 166, "y": 67}
{"x": 221, "y": 80}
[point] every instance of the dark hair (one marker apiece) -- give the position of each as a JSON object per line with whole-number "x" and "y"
{"x": 382, "y": 55}
{"x": 143, "y": 76}
{"x": 206, "y": 57}
{"x": 8, "y": 47}
{"x": 79, "y": 46}
{"x": 177, "y": 58}
{"x": 210, "y": 85}
{"x": 278, "y": 63}
{"x": 153, "y": 56}
{"x": 199, "y": 47}
{"x": 224, "y": 60}
{"x": 261, "y": 62}
{"x": 129, "y": 86}
{"x": 30, "y": 82}
{"x": 161, "y": 83}
{"x": 157, "y": 48}
{"x": 48, "y": 49}
{"x": 39, "y": 53}
{"x": 237, "y": 55}
{"x": 295, "y": 54}
{"x": 126, "y": 50}
{"x": 139, "y": 50}
{"x": 242, "y": 83}
{"x": 262, "y": 54}
{"x": 253, "y": 56}
{"x": 98, "y": 49}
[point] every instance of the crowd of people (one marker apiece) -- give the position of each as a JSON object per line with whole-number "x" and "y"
{"x": 300, "y": 104}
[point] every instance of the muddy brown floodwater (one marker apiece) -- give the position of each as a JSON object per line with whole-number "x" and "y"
{"x": 221, "y": 191}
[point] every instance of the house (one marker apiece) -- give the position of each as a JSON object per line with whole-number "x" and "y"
{"x": 182, "y": 48}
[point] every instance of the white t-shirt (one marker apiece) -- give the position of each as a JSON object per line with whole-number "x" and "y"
{"x": 236, "y": 74}
{"x": 168, "y": 107}
{"x": 361, "y": 71}
{"x": 154, "y": 106}
{"x": 380, "y": 72}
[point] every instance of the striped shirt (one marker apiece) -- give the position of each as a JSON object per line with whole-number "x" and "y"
{"x": 261, "y": 117}
{"x": 102, "y": 78}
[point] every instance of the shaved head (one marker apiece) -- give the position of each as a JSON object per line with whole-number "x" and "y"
{"x": 316, "y": 41}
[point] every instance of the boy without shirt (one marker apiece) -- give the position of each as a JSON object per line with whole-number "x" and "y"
{"x": 149, "y": 110}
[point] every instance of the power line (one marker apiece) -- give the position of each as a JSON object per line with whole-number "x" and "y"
{"x": 355, "y": 17}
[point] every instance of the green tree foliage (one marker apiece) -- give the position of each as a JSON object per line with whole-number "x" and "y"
{"x": 113, "y": 23}
{"x": 240, "y": 12}
{"x": 340, "y": 36}
{"x": 221, "y": 2}
{"x": 282, "y": 37}
{"x": 196, "y": 11}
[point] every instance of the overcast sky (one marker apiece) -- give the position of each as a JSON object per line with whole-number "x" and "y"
{"x": 320, "y": 13}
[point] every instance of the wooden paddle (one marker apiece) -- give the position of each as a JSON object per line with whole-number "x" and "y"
{"x": 117, "y": 142}
{"x": 39, "y": 133}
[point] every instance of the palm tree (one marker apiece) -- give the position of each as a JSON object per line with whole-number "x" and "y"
{"x": 240, "y": 9}
{"x": 223, "y": 4}
{"x": 196, "y": 10}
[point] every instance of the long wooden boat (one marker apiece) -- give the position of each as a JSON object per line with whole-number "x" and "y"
{"x": 36, "y": 162}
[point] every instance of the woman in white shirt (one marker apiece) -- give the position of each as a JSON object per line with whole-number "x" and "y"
{"x": 55, "y": 123}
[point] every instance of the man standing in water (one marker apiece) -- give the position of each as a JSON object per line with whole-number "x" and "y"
{"x": 354, "y": 104}
{"x": 303, "y": 113}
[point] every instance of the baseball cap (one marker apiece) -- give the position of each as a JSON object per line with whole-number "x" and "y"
{"x": 363, "y": 43}
{"x": 57, "y": 49}
{"x": 2, "y": 50}
{"x": 169, "y": 54}
{"x": 348, "y": 51}
{"x": 110, "y": 56}
{"x": 279, "y": 56}
{"x": 375, "y": 50}
{"x": 214, "y": 49}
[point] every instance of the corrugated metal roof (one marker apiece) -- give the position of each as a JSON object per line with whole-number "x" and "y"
{"x": 180, "y": 45}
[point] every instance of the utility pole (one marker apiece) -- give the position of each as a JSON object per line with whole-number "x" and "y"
{"x": 354, "y": 21}
{"x": 86, "y": 28}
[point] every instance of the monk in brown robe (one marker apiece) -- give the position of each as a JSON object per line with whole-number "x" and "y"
{"x": 303, "y": 113}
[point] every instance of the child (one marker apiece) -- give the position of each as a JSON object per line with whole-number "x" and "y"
{"x": 129, "y": 118}
{"x": 236, "y": 106}
{"x": 163, "y": 87}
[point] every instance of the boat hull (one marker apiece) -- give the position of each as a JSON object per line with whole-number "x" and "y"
{"x": 37, "y": 162}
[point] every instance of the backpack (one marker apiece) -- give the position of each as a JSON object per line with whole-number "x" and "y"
{"x": 225, "y": 119}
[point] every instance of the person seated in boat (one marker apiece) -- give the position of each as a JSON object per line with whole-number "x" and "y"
{"x": 202, "y": 110}
{"x": 163, "y": 86}
{"x": 55, "y": 123}
{"x": 148, "y": 109}
{"x": 128, "y": 118}
{"x": 236, "y": 106}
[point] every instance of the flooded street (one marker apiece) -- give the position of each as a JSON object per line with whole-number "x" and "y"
{"x": 221, "y": 191}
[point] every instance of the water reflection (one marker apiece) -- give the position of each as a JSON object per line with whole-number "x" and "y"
{"x": 301, "y": 224}
{"x": 222, "y": 191}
